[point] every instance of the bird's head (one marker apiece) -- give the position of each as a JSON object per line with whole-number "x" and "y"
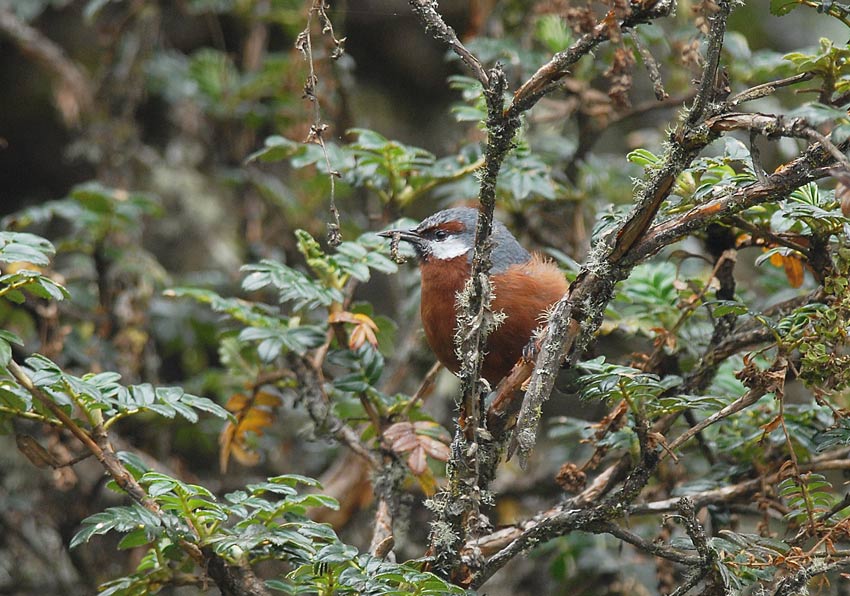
{"x": 450, "y": 233}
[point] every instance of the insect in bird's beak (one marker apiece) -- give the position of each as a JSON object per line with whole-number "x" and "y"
{"x": 396, "y": 236}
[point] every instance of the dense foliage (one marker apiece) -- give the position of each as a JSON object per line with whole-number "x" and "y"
{"x": 217, "y": 364}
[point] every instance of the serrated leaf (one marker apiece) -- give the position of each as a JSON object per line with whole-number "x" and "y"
{"x": 781, "y": 8}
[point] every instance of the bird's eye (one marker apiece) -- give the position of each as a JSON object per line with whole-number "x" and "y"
{"x": 440, "y": 235}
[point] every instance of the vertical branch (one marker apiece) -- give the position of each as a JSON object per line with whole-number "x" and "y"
{"x": 304, "y": 44}
{"x": 458, "y": 523}
{"x": 459, "y": 509}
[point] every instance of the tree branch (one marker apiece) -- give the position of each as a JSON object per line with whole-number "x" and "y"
{"x": 52, "y": 57}
{"x": 548, "y": 77}
{"x": 232, "y": 579}
{"x": 426, "y": 10}
{"x": 727, "y": 200}
{"x": 310, "y": 390}
{"x": 607, "y": 264}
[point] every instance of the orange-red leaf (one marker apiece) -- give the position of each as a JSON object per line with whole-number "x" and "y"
{"x": 772, "y": 425}
{"x": 419, "y": 438}
{"x": 743, "y": 240}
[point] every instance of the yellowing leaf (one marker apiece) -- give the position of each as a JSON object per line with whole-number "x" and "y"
{"x": 266, "y": 398}
{"x": 253, "y": 414}
{"x": 236, "y": 402}
{"x": 793, "y": 270}
{"x": 743, "y": 240}
{"x": 364, "y": 328}
{"x": 427, "y": 482}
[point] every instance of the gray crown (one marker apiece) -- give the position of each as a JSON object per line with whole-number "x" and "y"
{"x": 506, "y": 250}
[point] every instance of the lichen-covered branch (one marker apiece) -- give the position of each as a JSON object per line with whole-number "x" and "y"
{"x": 590, "y": 293}
{"x": 427, "y": 12}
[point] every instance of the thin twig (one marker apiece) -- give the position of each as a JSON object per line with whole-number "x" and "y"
{"x": 425, "y": 388}
{"x": 651, "y": 65}
{"x": 772, "y": 125}
{"x": 652, "y": 548}
{"x": 765, "y": 89}
{"x": 317, "y": 405}
{"x": 708, "y": 81}
{"x": 304, "y": 43}
{"x": 434, "y": 23}
{"x": 548, "y": 77}
{"x": 746, "y": 400}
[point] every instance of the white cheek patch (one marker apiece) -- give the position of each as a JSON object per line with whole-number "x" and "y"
{"x": 449, "y": 248}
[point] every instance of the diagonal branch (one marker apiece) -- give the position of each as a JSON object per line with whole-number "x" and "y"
{"x": 589, "y": 294}
{"x": 726, "y": 200}
{"x": 53, "y": 58}
{"x": 548, "y": 77}
{"x": 232, "y": 579}
{"x": 434, "y": 23}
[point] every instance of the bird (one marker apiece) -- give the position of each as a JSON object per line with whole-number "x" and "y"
{"x": 525, "y": 286}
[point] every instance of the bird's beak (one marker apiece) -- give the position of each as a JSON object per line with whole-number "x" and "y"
{"x": 411, "y": 236}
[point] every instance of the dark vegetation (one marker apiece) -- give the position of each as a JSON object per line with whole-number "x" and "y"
{"x": 212, "y": 372}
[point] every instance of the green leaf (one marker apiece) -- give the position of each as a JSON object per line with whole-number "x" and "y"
{"x": 554, "y": 33}
{"x": 5, "y": 353}
{"x": 781, "y": 8}
{"x": 727, "y": 307}
{"x": 10, "y": 337}
{"x": 643, "y": 157}
{"x": 292, "y": 285}
{"x": 275, "y": 148}
{"x": 95, "y": 197}
{"x": 296, "y": 479}
{"x": 134, "y": 539}
{"x": 121, "y": 519}
{"x": 29, "y": 248}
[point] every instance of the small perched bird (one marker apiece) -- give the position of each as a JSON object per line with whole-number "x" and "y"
{"x": 525, "y": 286}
